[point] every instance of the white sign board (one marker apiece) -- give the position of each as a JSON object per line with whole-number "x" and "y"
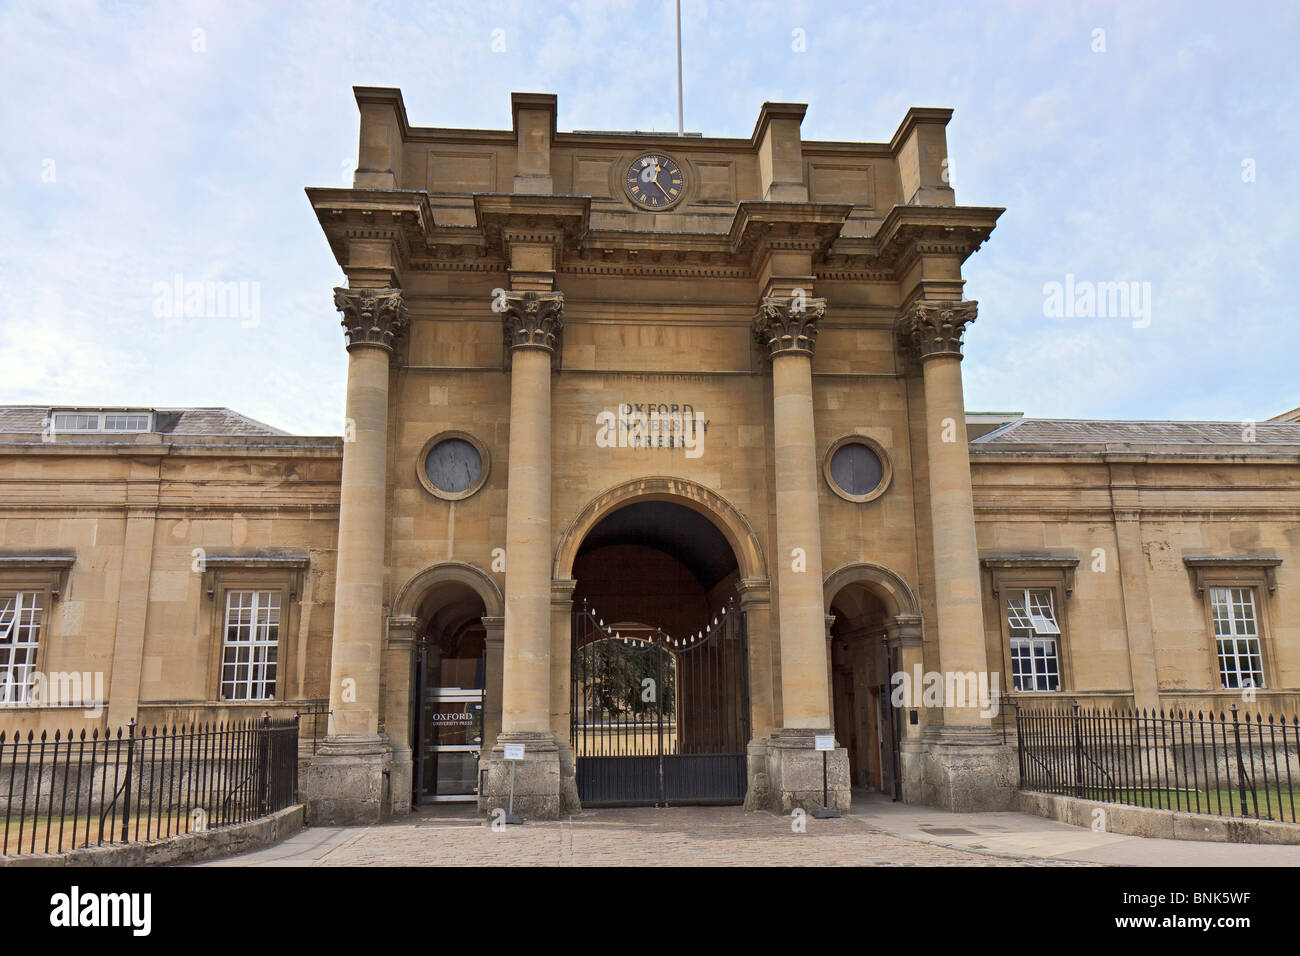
{"x": 824, "y": 741}
{"x": 514, "y": 751}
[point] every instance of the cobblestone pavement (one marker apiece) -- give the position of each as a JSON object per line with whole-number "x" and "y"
{"x": 683, "y": 836}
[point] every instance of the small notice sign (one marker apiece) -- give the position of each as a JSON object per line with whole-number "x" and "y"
{"x": 824, "y": 741}
{"x": 514, "y": 751}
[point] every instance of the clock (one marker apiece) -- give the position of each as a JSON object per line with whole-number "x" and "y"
{"x": 654, "y": 182}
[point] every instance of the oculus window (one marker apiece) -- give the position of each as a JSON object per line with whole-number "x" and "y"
{"x": 858, "y": 469}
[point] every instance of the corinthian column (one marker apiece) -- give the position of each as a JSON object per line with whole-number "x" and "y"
{"x": 532, "y": 325}
{"x": 964, "y": 766}
{"x": 935, "y": 331}
{"x": 786, "y": 329}
{"x": 347, "y": 781}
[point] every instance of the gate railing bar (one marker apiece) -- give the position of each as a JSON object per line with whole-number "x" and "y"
{"x": 141, "y": 785}
{"x": 1240, "y": 765}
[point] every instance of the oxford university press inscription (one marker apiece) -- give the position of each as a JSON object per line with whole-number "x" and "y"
{"x": 667, "y": 425}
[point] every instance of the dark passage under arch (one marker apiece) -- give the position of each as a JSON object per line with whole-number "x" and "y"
{"x": 659, "y": 690}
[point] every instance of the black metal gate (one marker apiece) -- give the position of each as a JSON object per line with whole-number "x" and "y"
{"x": 657, "y": 720}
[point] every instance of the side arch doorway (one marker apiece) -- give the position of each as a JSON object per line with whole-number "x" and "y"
{"x": 454, "y": 679}
{"x": 659, "y": 668}
{"x": 867, "y": 604}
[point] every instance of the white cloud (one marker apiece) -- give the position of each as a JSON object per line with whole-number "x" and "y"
{"x": 1121, "y": 164}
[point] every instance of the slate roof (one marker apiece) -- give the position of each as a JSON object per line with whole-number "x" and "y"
{"x": 214, "y": 422}
{"x": 1049, "y": 432}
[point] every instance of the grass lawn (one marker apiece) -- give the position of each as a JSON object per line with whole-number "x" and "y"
{"x": 1219, "y": 802}
{"x": 74, "y": 831}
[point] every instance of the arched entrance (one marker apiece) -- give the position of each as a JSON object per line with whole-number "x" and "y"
{"x": 659, "y": 666}
{"x": 866, "y": 604}
{"x": 451, "y": 688}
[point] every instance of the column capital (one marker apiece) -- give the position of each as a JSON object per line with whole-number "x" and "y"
{"x": 532, "y": 320}
{"x": 562, "y": 592}
{"x": 495, "y": 626}
{"x": 903, "y": 630}
{"x": 402, "y": 632}
{"x": 934, "y": 329}
{"x": 787, "y": 325}
{"x": 373, "y": 317}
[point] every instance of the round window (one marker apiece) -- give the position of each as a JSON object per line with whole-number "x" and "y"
{"x": 453, "y": 465}
{"x": 857, "y": 469}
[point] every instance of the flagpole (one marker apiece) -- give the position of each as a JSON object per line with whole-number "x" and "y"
{"x": 681, "y": 124}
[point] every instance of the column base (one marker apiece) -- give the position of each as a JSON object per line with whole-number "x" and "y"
{"x": 403, "y": 779}
{"x": 349, "y": 781}
{"x": 962, "y": 770}
{"x": 539, "y": 792}
{"x": 569, "y": 801}
{"x": 794, "y": 774}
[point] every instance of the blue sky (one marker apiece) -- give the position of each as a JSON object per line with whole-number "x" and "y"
{"x": 136, "y": 149}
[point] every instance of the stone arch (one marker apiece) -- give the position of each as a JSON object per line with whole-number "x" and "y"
{"x": 889, "y": 587}
{"x": 735, "y": 527}
{"x": 410, "y": 594}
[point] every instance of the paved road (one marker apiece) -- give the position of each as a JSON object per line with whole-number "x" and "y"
{"x": 877, "y": 832}
{"x": 695, "y": 836}
{"x": 1026, "y": 835}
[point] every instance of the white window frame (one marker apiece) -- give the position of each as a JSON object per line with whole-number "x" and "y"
{"x": 1034, "y": 634}
{"x": 19, "y": 644}
{"x": 252, "y": 645}
{"x": 97, "y": 421}
{"x": 1240, "y": 667}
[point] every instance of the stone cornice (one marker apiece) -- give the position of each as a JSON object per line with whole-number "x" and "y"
{"x": 761, "y": 226}
{"x": 406, "y": 219}
{"x": 788, "y": 325}
{"x": 506, "y": 218}
{"x": 934, "y": 329}
{"x": 400, "y": 216}
{"x": 906, "y": 234}
{"x": 988, "y": 453}
{"x": 1208, "y": 568}
{"x": 371, "y": 317}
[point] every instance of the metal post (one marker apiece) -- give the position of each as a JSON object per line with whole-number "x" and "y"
{"x": 512, "y": 818}
{"x": 681, "y": 123}
{"x": 1078, "y": 753}
{"x": 1241, "y": 777}
{"x": 824, "y": 812}
{"x": 130, "y": 764}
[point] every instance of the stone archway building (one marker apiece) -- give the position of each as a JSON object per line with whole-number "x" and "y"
{"x": 729, "y": 366}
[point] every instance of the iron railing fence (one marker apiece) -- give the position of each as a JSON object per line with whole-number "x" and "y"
{"x": 67, "y": 791}
{"x": 319, "y": 711}
{"x": 1242, "y": 765}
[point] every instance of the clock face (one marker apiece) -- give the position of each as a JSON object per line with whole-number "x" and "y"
{"x": 654, "y": 181}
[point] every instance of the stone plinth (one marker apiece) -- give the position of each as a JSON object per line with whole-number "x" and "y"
{"x": 537, "y": 786}
{"x": 795, "y": 774}
{"x": 961, "y": 771}
{"x": 349, "y": 782}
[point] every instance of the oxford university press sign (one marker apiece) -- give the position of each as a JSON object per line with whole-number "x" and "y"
{"x": 664, "y": 425}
